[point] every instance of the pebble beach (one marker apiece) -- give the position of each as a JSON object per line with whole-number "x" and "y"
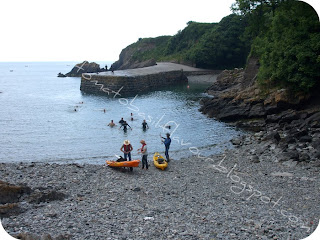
{"x": 226, "y": 196}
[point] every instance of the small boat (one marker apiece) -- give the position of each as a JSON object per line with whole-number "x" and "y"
{"x": 159, "y": 161}
{"x": 133, "y": 163}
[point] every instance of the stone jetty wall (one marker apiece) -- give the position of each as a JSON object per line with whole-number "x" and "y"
{"x": 130, "y": 85}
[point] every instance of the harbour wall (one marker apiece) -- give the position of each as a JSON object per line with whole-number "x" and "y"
{"x": 130, "y": 85}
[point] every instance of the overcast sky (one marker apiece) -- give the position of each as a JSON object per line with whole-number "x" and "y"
{"x": 95, "y": 30}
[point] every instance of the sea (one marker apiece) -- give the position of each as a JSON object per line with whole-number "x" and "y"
{"x": 48, "y": 119}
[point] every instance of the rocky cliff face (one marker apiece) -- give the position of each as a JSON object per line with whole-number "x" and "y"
{"x": 292, "y": 122}
{"x": 237, "y": 97}
{"x": 127, "y": 61}
{"x": 84, "y": 67}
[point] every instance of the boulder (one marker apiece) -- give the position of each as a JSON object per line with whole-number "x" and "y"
{"x": 9, "y": 209}
{"x": 46, "y": 196}
{"x": 84, "y": 67}
{"x": 273, "y": 136}
{"x": 305, "y": 139}
{"x": 31, "y": 236}
{"x": 61, "y": 75}
{"x": 10, "y": 193}
{"x": 289, "y": 155}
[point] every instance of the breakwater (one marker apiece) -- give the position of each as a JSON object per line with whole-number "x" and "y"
{"x": 130, "y": 85}
{"x": 135, "y": 81}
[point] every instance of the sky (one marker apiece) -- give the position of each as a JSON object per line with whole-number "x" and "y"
{"x": 95, "y": 30}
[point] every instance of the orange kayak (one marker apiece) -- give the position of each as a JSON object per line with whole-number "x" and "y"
{"x": 133, "y": 163}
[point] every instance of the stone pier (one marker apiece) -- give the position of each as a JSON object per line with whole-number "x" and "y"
{"x": 135, "y": 81}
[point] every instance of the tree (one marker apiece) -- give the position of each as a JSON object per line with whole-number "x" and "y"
{"x": 289, "y": 51}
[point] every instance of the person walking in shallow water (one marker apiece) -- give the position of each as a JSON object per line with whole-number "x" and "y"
{"x": 144, "y": 152}
{"x": 125, "y": 125}
{"x": 167, "y": 142}
{"x": 144, "y": 125}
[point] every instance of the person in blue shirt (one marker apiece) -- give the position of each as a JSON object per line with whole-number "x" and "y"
{"x": 167, "y": 142}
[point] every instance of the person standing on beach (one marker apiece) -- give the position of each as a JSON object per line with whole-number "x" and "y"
{"x": 144, "y": 153}
{"x": 167, "y": 142}
{"x": 126, "y": 149}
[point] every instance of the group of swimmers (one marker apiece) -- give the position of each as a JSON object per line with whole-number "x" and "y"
{"x": 125, "y": 125}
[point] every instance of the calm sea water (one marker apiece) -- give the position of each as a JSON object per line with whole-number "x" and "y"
{"x": 39, "y": 124}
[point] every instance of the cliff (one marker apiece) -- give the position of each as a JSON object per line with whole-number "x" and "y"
{"x": 140, "y": 54}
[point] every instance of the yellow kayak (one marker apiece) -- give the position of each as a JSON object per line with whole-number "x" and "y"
{"x": 159, "y": 161}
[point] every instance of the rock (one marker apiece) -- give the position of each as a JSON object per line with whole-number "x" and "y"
{"x": 9, "y": 209}
{"x": 46, "y": 196}
{"x": 27, "y": 236}
{"x": 236, "y": 141}
{"x": 289, "y": 155}
{"x": 136, "y": 189}
{"x": 305, "y": 139}
{"x": 304, "y": 157}
{"x": 316, "y": 144}
{"x": 257, "y": 110}
{"x": 281, "y": 174}
{"x": 255, "y": 159}
{"x": 30, "y": 236}
{"x": 61, "y": 75}
{"x": 10, "y": 193}
{"x": 290, "y": 163}
{"x": 273, "y": 136}
{"x": 84, "y": 67}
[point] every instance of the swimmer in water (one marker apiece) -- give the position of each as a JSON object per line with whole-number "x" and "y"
{"x": 111, "y": 124}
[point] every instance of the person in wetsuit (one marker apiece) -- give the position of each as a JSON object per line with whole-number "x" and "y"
{"x": 125, "y": 125}
{"x": 144, "y": 125}
{"x": 167, "y": 142}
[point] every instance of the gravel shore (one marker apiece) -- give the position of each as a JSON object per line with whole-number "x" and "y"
{"x": 227, "y": 196}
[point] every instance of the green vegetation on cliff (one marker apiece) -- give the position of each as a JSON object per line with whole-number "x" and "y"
{"x": 285, "y": 36}
{"x": 204, "y": 45}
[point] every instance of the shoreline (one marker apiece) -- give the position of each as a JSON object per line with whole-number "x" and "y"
{"x": 193, "y": 199}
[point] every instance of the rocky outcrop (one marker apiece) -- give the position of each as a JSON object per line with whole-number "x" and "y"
{"x": 291, "y": 122}
{"x": 237, "y": 96}
{"x": 84, "y": 67}
{"x": 12, "y": 195}
{"x": 61, "y": 75}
